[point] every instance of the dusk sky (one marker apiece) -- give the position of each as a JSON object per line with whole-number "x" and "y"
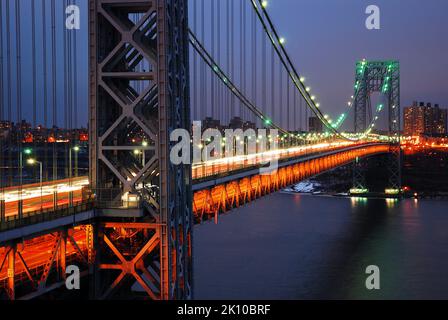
{"x": 324, "y": 38}
{"x": 327, "y": 37}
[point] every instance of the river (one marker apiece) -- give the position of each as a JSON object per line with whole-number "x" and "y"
{"x": 295, "y": 246}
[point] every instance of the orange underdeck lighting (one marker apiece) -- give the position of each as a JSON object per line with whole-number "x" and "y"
{"x": 209, "y": 203}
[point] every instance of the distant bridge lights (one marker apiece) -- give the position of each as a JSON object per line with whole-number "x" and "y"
{"x": 392, "y": 191}
{"x": 359, "y": 191}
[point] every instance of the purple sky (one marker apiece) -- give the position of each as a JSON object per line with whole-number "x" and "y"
{"x": 326, "y": 37}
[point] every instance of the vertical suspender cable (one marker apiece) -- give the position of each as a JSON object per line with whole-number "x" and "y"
{"x": 75, "y": 82}
{"x": 53, "y": 69}
{"x": 288, "y": 107}
{"x": 69, "y": 108}
{"x": 300, "y": 115}
{"x": 18, "y": 64}
{"x": 2, "y": 105}
{"x": 244, "y": 52}
{"x": 296, "y": 123}
{"x": 53, "y": 60}
{"x": 280, "y": 94}
{"x": 195, "y": 63}
{"x": 263, "y": 76}
{"x": 232, "y": 51}
{"x": 19, "y": 90}
{"x": 66, "y": 53}
{"x": 254, "y": 61}
{"x": 9, "y": 96}
{"x": 212, "y": 78}
{"x": 227, "y": 93}
{"x": 274, "y": 109}
{"x": 75, "y": 89}
{"x": 2, "y": 112}
{"x": 203, "y": 70}
{"x": 241, "y": 57}
{"x": 45, "y": 80}
{"x": 219, "y": 88}
{"x": 306, "y": 116}
{"x": 66, "y": 72}
{"x": 33, "y": 52}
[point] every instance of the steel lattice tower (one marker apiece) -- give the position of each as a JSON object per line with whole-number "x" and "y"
{"x": 382, "y": 77}
{"x": 139, "y": 93}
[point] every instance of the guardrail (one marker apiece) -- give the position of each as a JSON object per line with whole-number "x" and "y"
{"x": 13, "y": 222}
{"x": 204, "y": 171}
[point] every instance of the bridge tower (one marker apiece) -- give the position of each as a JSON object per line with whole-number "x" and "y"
{"x": 139, "y": 93}
{"x": 382, "y": 77}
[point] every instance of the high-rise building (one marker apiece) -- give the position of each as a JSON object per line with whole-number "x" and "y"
{"x": 425, "y": 119}
{"x": 236, "y": 123}
{"x": 210, "y": 123}
{"x": 414, "y": 119}
{"x": 441, "y": 120}
{"x": 315, "y": 125}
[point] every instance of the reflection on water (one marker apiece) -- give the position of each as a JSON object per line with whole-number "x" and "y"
{"x": 290, "y": 246}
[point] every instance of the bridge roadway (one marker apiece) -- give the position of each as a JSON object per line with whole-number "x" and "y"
{"x": 222, "y": 185}
{"x": 218, "y": 186}
{"x": 207, "y": 176}
{"x": 35, "y": 198}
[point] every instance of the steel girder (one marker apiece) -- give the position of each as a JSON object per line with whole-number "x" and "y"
{"x": 139, "y": 89}
{"x": 33, "y": 267}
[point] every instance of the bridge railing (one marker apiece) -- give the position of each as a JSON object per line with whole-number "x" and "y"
{"x": 113, "y": 198}
{"x": 29, "y": 218}
{"x": 206, "y": 170}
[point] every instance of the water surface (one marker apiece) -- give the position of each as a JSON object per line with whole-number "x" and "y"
{"x": 291, "y": 246}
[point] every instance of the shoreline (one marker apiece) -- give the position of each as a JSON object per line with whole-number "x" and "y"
{"x": 312, "y": 189}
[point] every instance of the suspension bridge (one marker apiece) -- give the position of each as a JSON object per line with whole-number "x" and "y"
{"x": 105, "y": 195}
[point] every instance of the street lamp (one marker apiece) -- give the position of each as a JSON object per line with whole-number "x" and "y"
{"x": 76, "y": 149}
{"x": 137, "y": 152}
{"x": 27, "y": 151}
{"x": 33, "y": 162}
{"x": 144, "y": 145}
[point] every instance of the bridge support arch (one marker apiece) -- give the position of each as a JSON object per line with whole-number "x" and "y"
{"x": 382, "y": 77}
